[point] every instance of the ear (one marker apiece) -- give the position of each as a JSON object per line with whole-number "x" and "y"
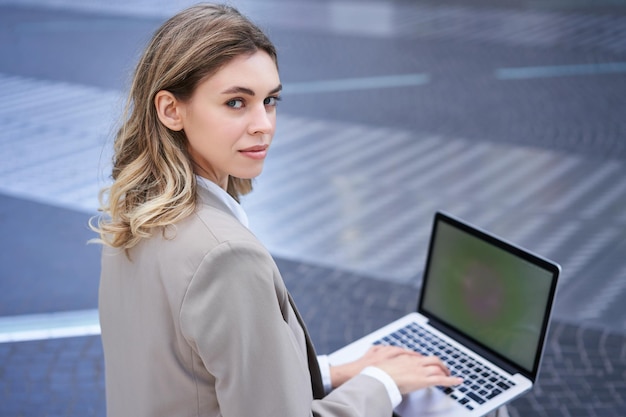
{"x": 169, "y": 110}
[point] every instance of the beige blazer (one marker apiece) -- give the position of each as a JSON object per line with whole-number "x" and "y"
{"x": 198, "y": 322}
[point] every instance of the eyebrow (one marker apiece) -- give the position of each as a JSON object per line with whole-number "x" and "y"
{"x": 247, "y": 91}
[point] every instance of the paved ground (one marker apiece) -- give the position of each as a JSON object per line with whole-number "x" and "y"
{"x": 509, "y": 114}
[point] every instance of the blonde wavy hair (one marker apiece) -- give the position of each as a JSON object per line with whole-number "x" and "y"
{"x": 154, "y": 184}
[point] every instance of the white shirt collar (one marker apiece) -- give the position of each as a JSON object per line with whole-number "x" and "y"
{"x": 232, "y": 204}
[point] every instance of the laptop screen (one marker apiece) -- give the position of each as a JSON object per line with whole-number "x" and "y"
{"x": 491, "y": 291}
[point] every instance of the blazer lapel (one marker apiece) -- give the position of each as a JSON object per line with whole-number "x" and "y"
{"x": 314, "y": 368}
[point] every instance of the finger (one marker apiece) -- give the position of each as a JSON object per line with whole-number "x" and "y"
{"x": 412, "y": 353}
{"x": 435, "y": 361}
{"x": 393, "y": 351}
{"x": 446, "y": 381}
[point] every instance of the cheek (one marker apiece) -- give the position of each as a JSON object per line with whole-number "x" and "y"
{"x": 230, "y": 131}
{"x": 272, "y": 118}
{"x": 203, "y": 130}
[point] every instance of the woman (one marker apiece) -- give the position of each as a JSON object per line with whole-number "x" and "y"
{"x": 195, "y": 317}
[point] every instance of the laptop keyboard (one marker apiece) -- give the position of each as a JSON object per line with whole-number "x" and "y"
{"x": 479, "y": 382}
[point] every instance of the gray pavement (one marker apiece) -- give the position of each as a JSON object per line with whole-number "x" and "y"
{"x": 509, "y": 114}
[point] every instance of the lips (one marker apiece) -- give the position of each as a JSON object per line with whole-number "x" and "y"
{"x": 258, "y": 148}
{"x": 255, "y": 152}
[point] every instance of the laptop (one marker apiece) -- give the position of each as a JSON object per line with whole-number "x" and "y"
{"x": 484, "y": 309}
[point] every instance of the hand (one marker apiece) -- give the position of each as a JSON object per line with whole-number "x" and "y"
{"x": 412, "y": 372}
{"x": 409, "y": 370}
{"x": 375, "y": 355}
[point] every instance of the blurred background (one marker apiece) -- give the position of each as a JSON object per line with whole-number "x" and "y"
{"x": 510, "y": 114}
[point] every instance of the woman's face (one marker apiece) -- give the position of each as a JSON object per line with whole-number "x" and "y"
{"x": 230, "y": 119}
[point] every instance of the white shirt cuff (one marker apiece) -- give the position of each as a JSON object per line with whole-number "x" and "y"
{"x": 392, "y": 389}
{"x": 324, "y": 365}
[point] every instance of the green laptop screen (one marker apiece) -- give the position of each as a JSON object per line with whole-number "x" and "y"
{"x": 493, "y": 296}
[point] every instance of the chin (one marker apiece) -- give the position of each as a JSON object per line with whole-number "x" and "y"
{"x": 250, "y": 174}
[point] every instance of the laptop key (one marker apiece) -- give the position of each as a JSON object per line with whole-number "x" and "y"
{"x": 493, "y": 393}
{"x": 502, "y": 385}
{"x": 475, "y": 397}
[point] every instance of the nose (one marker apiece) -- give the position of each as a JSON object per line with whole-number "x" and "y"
{"x": 262, "y": 120}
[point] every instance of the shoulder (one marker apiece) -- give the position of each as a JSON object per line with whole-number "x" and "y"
{"x": 208, "y": 229}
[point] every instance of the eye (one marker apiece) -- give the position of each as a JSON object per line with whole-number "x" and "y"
{"x": 271, "y": 101}
{"x": 235, "y": 103}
